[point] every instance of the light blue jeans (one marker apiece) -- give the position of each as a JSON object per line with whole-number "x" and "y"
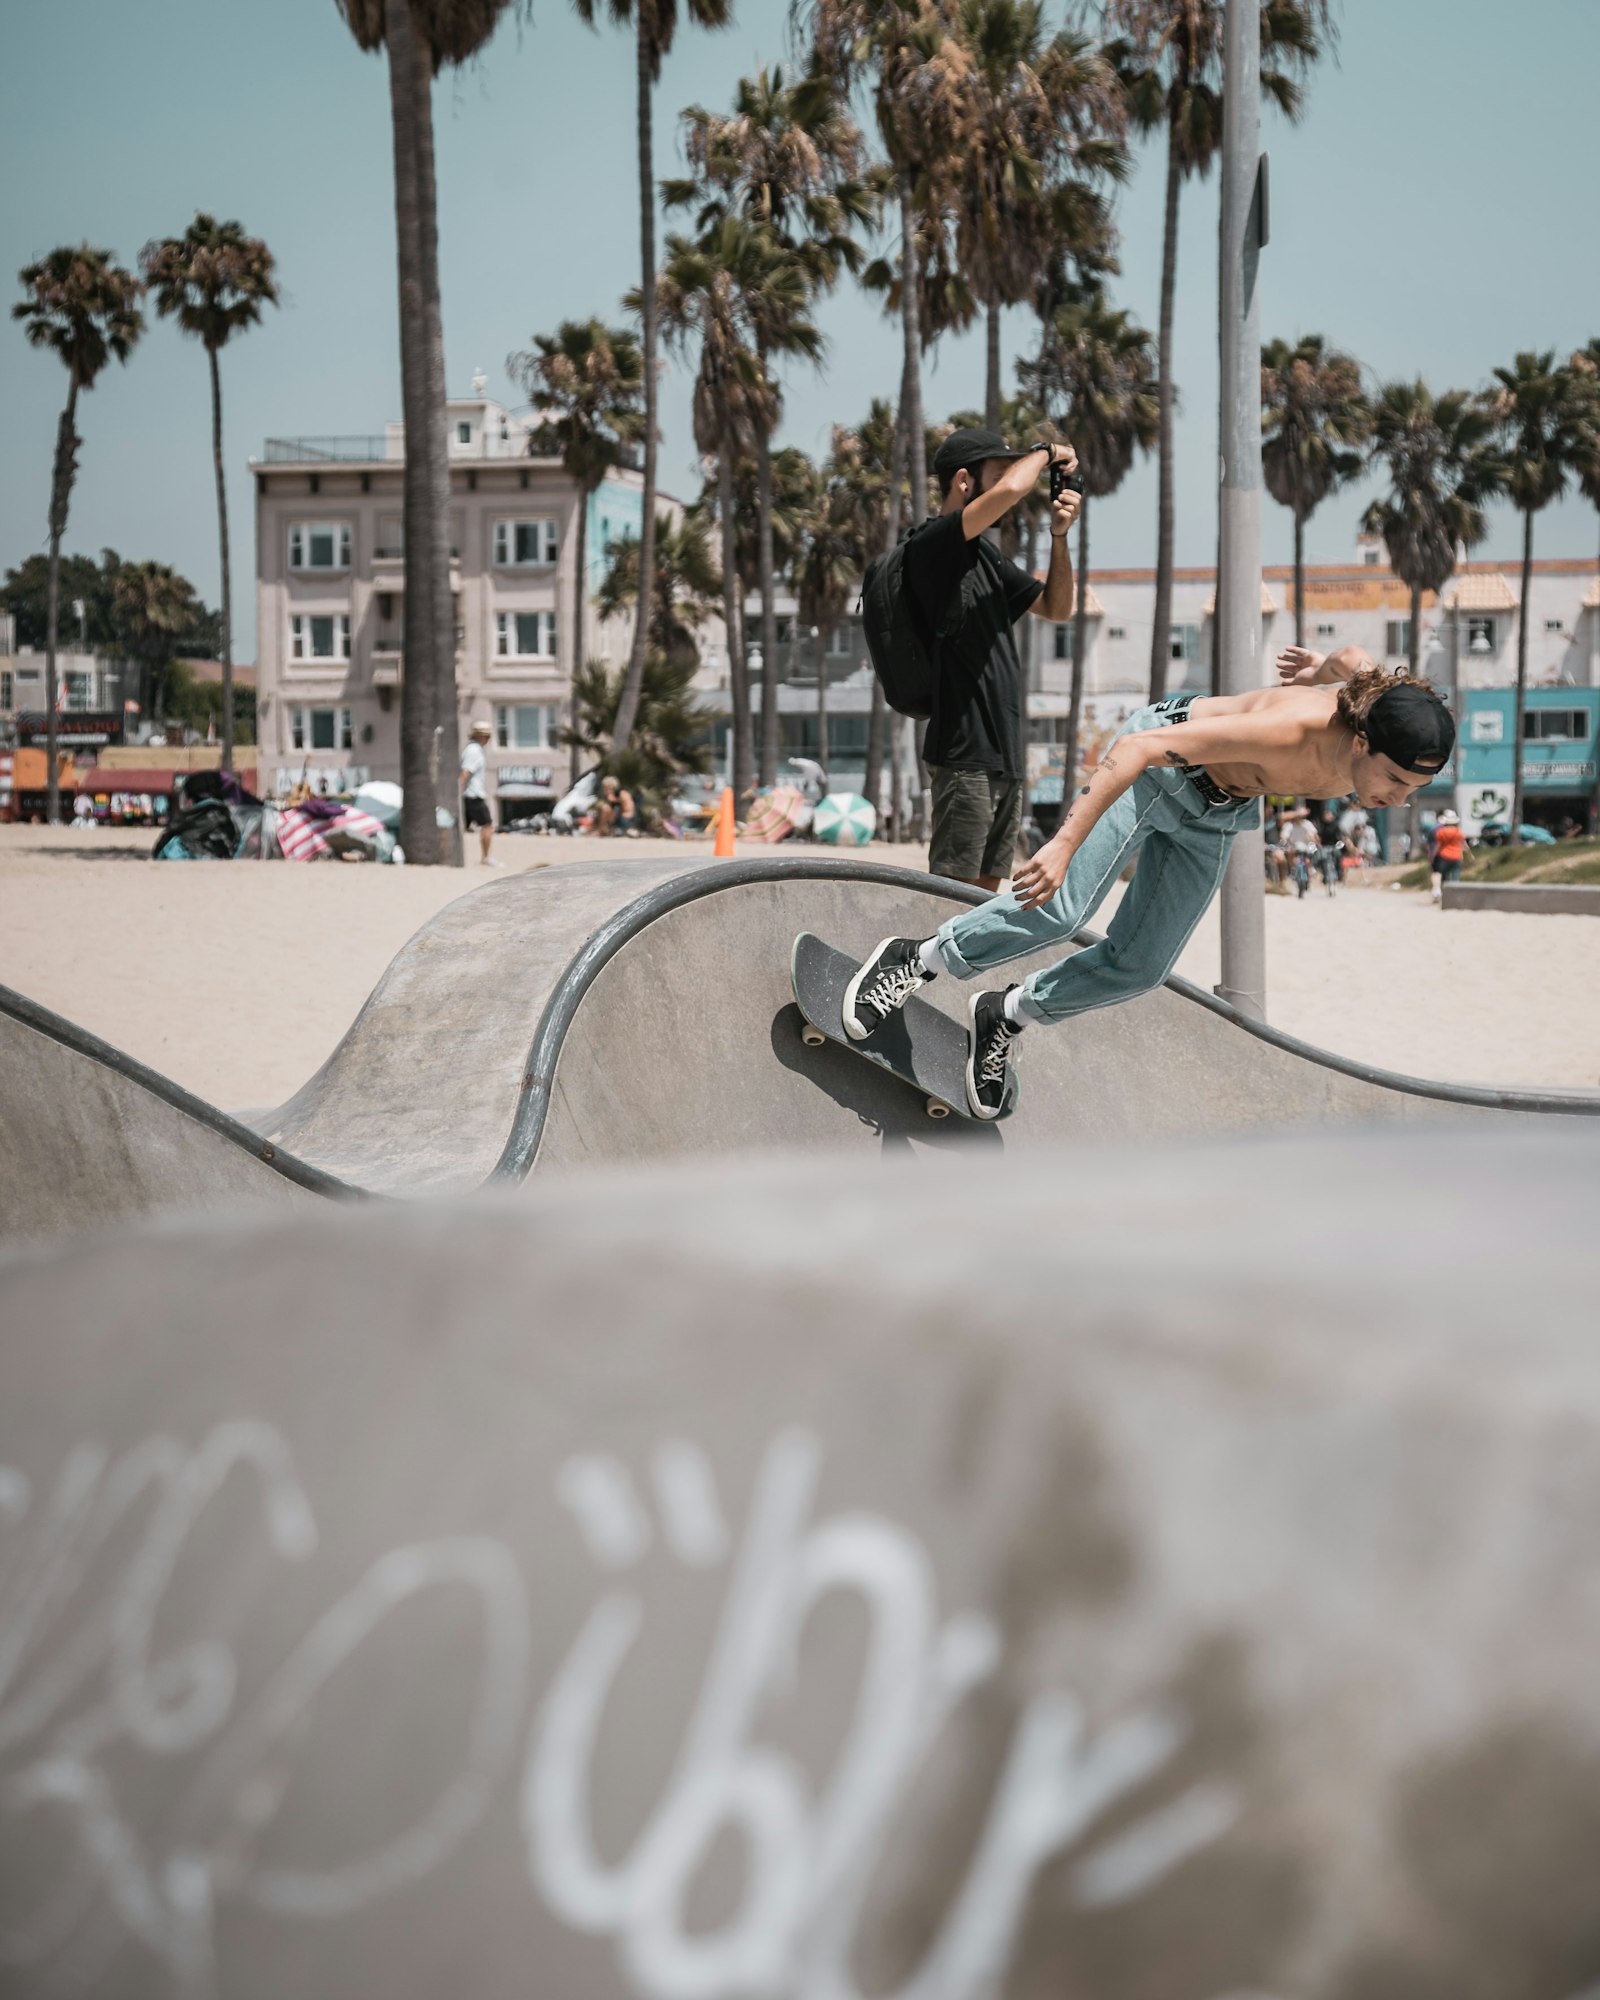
{"x": 1182, "y": 841}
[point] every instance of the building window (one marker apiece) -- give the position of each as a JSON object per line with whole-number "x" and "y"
{"x": 1555, "y": 725}
{"x": 463, "y": 432}
{"x": 525, "y": 635}
{"x": 1183, "y": 642}
{"x": 525, "y": 544}
{"x": 1065, "y": 638}
{"x": 319, "y": 636}
{"x": 526, "y": 726}
{"x": 1327, "y": 632}
{"x": 78, "y": 688}
{"x": 319, "y": 545}
{"x": 1370, "y": 558}
{"x": 8, "y": 692}
{"x": 1047, "y": 729}
{"x": 1397, "y": 638}
{"x": 839, "y": 642}
{"x": 1481, "y": 635}
{"x": 321, "y": 729}
{"x": 1117, "y": 632}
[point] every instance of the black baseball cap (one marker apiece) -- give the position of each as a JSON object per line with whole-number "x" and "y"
{"x": 964, "y": 449}
{"x": 1411, "y": 726}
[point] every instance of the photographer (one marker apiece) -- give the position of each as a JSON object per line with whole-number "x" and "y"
{"x": 970, "y": 597}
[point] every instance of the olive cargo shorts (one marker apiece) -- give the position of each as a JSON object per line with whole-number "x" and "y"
{"x": 977, "y": 818}
{"x": 1182, "y": 842}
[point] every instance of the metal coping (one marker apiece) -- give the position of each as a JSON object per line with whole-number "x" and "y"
{"x": 533, "y": 1103}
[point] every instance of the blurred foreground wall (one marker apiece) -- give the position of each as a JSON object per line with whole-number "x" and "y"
{"x": 1145, "y": 1575}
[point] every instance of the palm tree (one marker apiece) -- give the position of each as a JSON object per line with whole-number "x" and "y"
{"x": 1538, "y": 407}
{"x": 790, "y": 157}
{"x": 1585, "y": 367}
{"x": 84, "y": 308}
{"x": 1313, "y": 418}
{"x": 1100, "y": 368}
{"x": 1438, "y": 454}
{"x": 154, "y": 608}
{"x": 421, "y": 37}
{"x": 715, "y": 292}
{"x": 214, "y": 279}
{"x": 865, "y": 454}
{"x": 829, "y": 557}
{"x": 671, "y": 738}
{"x": 1035, "y": 112}
{"x": 588, "y": 380}
{"x": 900, "y": 49}
{"x": 688, "y": 583}
{"x": 1169, "y": 54}
{"x": 655, "y": 28}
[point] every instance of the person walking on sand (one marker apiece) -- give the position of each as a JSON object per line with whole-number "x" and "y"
{"x": 1181, "y": 779}
{"x": 474, "y": 791}
{"x": 1446, "y": 853}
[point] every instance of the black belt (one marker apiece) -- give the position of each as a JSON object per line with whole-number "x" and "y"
{"x": 1175, "y": 707}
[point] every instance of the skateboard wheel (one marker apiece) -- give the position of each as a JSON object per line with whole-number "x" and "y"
{"x": 812, "y": 1037}
{"x": 936, "y": 1109}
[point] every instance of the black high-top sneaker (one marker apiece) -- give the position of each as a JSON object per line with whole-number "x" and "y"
{"x": 882, "y": 985}
{"x": 989, "y": 1045}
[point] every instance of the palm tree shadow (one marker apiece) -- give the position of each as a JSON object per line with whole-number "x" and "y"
{"x": 894, "y": 1110}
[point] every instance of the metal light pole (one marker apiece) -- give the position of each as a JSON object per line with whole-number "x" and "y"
{"x": 1244, "y": 195}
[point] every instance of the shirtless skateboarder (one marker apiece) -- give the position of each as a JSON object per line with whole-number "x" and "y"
{"x": 1182, "y": 778}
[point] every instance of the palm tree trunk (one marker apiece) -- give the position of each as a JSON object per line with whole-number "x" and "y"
{"x": 1161, "y": 635}
{"x": 1299, "y": 578}
{"x": 824, "y": 641}
{"x": 222, "y": 543}
{"x": 1080, "y": 654}
{"x": 580, "y": 604}
{"x": 878, "y": 714}
{"x": 916, "y": 435}
{"x": 429, "y": 646}
{"x": 1520, "y": 732}
{"x": 767, "y": 763}
{"x": 633, "y": 680}
{"x": 60, "y": 494}
{"x": 1414, "y": 635}
{"x": 738, "y": 678}
{"x": 991, "y": 378}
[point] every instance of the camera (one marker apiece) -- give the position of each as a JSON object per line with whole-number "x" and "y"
{"x": 1062, "y": 481}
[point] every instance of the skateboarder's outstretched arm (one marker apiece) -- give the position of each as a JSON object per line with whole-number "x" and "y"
{"x": 1298, "y": 666}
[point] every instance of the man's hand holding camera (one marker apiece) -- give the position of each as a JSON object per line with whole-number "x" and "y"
{"x": 1066, "y": 490}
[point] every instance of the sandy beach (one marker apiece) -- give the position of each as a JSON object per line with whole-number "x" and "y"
{"x": 237, "y": 980}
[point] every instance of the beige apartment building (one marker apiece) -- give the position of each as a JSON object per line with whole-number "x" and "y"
{"x": 330, "y": 600}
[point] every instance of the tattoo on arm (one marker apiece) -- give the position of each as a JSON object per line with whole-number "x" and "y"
{"x": 1174, "y": 756}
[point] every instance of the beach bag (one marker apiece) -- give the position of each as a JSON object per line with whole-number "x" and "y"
{"x": 902, "y": 653}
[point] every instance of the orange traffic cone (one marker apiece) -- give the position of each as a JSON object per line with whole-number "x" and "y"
{"x": 724, "y": 846}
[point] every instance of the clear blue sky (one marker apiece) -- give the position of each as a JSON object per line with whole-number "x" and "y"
{"x": 1433, "y": 212}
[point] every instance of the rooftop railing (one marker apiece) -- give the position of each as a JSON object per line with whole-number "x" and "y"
{"x": 330, "y": 450}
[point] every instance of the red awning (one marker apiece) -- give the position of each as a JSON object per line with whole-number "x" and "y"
{"x": 144, "y": 780}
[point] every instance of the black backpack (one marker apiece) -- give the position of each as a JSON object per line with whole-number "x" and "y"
{"x": 902, "y": 652}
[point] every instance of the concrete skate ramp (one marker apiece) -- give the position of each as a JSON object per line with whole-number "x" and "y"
{"x": 780, "y": 1579}
{"x": 614, "y": 1011}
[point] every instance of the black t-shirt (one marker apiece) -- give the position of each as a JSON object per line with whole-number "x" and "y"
{"x": 971, "y": 598}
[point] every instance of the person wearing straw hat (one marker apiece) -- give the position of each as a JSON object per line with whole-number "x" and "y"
{"x": 1181, "y": 779}
{"x": 475, "y": 791}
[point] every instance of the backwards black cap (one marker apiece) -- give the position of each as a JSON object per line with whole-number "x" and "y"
{"x": 964, "y": 449}
{"x": 1411, "y": 726}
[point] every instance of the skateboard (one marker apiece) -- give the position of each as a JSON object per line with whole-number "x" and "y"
{"x": 920, "y": 1045}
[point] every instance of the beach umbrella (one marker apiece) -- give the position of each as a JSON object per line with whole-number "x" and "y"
{"x": 776, "y": 813}
{"x": 844, "y": 819}
{"x": 382, "y": 800}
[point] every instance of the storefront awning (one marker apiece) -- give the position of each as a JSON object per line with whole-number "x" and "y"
{"x": 152, "y": 779}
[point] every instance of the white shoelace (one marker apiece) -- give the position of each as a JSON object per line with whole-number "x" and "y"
{"x": 993, "y": 1066}
{"x": 891, "y": 989}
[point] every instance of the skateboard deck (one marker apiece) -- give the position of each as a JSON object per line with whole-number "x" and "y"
{"x": 920, "y": 1045}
